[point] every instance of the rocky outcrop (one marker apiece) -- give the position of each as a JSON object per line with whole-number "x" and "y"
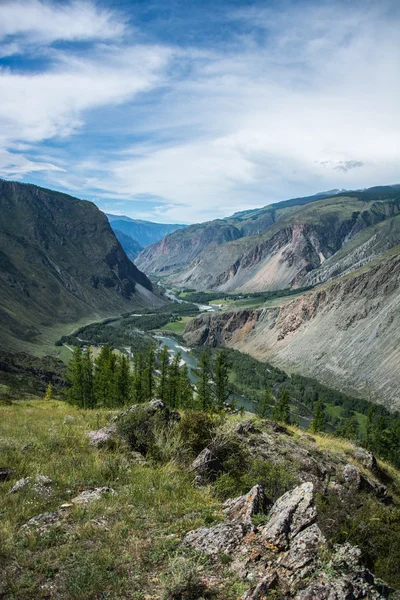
{"x": 206, "y": 467}
{"x": 39, "y": 485}
{"x": 286, "y": 553}
{"x": 344, "y": 334}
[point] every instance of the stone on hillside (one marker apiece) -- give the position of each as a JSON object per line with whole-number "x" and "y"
{"x": 43, "y": 521}
{"x": 206, "y": 467}
{"x": 245, "y": 427}
{"x": 259, "y": 592}
{"x": 352, "y": 475}
{"x": 290, "y": 514}
{"x": 353, "y": 478}
{"x": 302, "y": 556}
{"x": 91, "y": 495}
{"x": 68, "y": 419}
{"x": 137, "y": 458}
{"x": 219, "y": 539}
{"x": 5, "y": 473}
{"x": 367, "y": 459}
{"x": 103, "y": 436}
{"x": 356, "y": 586}
{"x": 242, "y": 509}
{"x": 40, "y": 485}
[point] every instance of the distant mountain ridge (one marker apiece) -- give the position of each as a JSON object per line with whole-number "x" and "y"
{"x": 142, "y": 232}
{"x": 60, "y": 262}
{"x": 278, "y": 246}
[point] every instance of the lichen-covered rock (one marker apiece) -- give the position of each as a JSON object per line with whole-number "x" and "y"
{"x": 91, "y": 495}
{"x": 40, "y": 485}
{"x": 219, "y": 539}
{"x": 259, "y": 591}
{"x": 246, "y": 427}
{"x": 206, "y": 467}
{"x": 302, "y": 557}
{"x": 352, "y": 475}
{"x": 43, "y": 521}
{"x": 356, "y": 586}
{"x": 290, "y": 514}
{"x": 242, "y": 509}
{"x": 102, "y": 437}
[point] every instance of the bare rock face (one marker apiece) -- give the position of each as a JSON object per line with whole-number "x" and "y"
{"x": 242, "y": 509}
{"x": 259, "y": 591}
{"x": 206, "y": 467}
{"x": 219, "y": 539}
{"x": 292, "y": 513}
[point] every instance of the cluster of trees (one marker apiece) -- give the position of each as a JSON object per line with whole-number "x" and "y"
{"x": 111, "y": 380}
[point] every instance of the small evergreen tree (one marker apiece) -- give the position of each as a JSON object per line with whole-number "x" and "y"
{"x": 185, "y": 389}
{"x": 263, "y": 406}
{"x": 49, "y": 392}
{"x": 221, "y": 379}
{"x": 104, "y": 381}
{"x": 148, "y": 375}
{"x": 138, "y": 387}
{"x": 163, "y": 358}
{"x": 317, "y": 424}
{"x": 204, "y": 392}
{"x": 75, "y": 378}
{"x": 88, "y": 387}
{"x": 173, "y": 382}
{"x": 123, "y": 380}
{"x": 281, "y": 410}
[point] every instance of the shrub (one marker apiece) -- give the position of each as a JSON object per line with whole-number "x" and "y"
{"x": 197, "y": 429}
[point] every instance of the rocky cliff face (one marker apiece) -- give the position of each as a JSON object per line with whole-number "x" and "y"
{"x": 345, "y": 334}
{"x": 276, "y": 248}
{"x": 59, "y": 262}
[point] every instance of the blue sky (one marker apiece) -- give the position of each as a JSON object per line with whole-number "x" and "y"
{"x": 183, "y": 110}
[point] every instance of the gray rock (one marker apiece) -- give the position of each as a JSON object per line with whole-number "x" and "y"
{"x": 68, "y": 419}
{"x": 206, "y": 467}
{"x": 219, "y": 539}
{"x": 357, "y": 586}
{"x": 352, "y": 475}
{"x": 40, "y": 485}
{"x": 102, "y": 437}
{"x": 259, "y": 591}
{"x": 44, "y": 521}
{"x": 242, "y": 509}
{"x": 245, "y": 427}
{"x": 367, "y": 459}
{"x": 302, "y": 557}
{"x": 91, "y": 495}
{"x": 290, "y": 514}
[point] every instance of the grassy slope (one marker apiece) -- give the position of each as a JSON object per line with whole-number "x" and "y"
{"x": 123, "y": 546}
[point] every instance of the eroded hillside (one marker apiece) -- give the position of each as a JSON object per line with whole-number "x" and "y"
{"x": 345, "y": 334}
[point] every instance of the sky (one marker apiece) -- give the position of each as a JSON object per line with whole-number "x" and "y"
{"x": 190, "y": 110}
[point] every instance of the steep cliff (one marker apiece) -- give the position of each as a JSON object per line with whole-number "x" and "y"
{"x": 279, "y": 246}
{"x": 345, "y": 334}
{"x": 59, "y": 262}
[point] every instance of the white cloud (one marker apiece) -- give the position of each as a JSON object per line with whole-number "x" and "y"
{"x": 307, "y": 100}
{"x": 40, "y": 21}
{"x": 15, "y": 165}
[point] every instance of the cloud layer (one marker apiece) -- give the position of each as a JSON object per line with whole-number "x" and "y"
{"x": 290, "y": 101}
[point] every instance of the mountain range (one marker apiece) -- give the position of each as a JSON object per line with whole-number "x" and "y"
{"x": 286, "y": 245}
{"x": 60, "y": 263}
{"x": 135, "y": 234}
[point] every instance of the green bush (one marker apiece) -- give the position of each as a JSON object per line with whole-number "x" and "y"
{"x": 197, "y": 429}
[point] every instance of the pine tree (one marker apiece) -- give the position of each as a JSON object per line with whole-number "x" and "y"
{"x": 185, "y": 389}
{"x": 317, "y": 424}
{"x": 148, "y": 375}
{"x": 281, "y": 410}
{"x": 173, "y": 382}
{"x": 163, "y": 358}
{"x": 88, "y": 384}
{"x": 104, "y": 378}
{"x": 123, "y": 381}
{"x": 204, "y": 387}
{"x": 75, "y": 378}
{"x": 221, "y": 379}
{"x": 49, "y": 392}
{"x": 138, "y": 391}
{"x": 349, "y": 428}
{"x": 263, "y": 406}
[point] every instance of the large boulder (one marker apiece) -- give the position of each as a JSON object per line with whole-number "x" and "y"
{"x": 206, "y": 467}
{"x": 242, "y": 509}
{"x": 219, "y": 539}
{"x": 102, "y": 437}
{"x": 293, "y": 512}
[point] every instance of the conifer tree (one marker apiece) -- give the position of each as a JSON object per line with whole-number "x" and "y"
{"x": 163, "y": 358}
{"x": 123, "y": 380}
{"x": 281, "y": 410}
{"x": 204, "y": 392}
{"x": 263, "y": 406}
{"x": 138, "y": 388}
{"x": 317, "y": 424}
{"x": 173, "y": 382}
{"x": 49, "y": 392}
{"x": 88, "y": 387}
{"x": 75, "y": 378}
{"x": 104, "y": 378}
{"x": 221, "y": 379}
{"x": 185, "y": 389}
{"x": 148, "y": 375}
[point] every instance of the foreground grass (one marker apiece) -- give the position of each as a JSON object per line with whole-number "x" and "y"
{"x": 122, "y": 546}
